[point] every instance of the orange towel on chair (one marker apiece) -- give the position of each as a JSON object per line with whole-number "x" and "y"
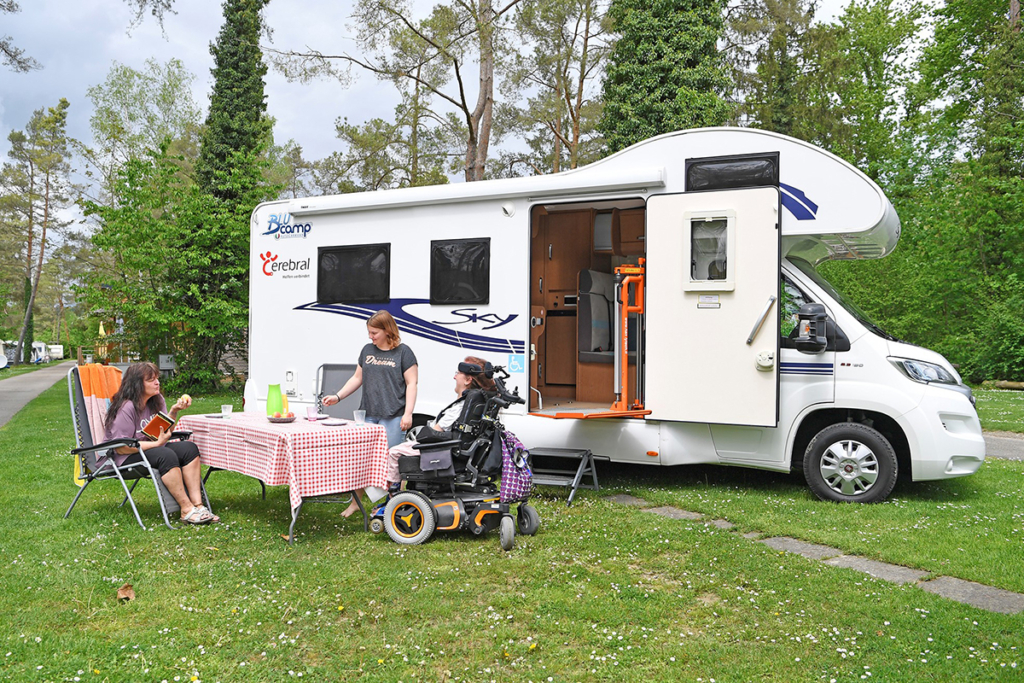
{"x": 99, "y": 384}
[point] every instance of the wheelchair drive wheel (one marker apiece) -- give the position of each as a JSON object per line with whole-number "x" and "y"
{"x": 507, "y": 531}
{"x": 409, "y": 518}
{"x": 528, "y": 521}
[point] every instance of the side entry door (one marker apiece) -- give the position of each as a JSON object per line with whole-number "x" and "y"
{"x": 712, "y": 317}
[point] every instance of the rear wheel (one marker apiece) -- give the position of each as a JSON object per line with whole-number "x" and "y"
{"x": 850, "y": 463}
{"x": 528, "y": 519}
{"x": 507, "y": 531}
{"x": 409, "y": 518}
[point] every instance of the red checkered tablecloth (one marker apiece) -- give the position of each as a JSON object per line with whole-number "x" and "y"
{"x": 311, "y": 458}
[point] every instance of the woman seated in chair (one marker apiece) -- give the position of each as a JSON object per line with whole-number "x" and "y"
{"x": 470, "y": 375}
{"x": 131, "y": 409}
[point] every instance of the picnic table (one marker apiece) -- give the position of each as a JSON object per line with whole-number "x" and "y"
{"x": 312, "y": 459}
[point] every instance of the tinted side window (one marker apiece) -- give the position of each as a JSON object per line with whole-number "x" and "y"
{"x": 792, "y": 300}
{"x": 358, "y": 274}
{"x": 460, "y": 271}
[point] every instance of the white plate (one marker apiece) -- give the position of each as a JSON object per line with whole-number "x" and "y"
{"x": 334, "y": 422}
{"x": 322, "y": 416}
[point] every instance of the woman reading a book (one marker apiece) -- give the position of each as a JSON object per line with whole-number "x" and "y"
{"x": 139, "y": 402}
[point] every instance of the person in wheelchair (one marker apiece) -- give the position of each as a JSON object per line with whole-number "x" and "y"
{"x": 472, "y": 373}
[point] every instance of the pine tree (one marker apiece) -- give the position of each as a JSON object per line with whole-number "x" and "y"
{"x": 665, "y": 72}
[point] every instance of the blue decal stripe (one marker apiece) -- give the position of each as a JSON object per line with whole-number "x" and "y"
{"x": 799, "y": 195}
{"x": 421, "y": 328}
{"x": 821, "y": 369}
{"x": 797, "y": 203}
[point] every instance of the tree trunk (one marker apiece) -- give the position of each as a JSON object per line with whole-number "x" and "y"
{"x": 481, "y": 118}
{"x": 39, "y": 272}
{"x": 1015, "y": 15}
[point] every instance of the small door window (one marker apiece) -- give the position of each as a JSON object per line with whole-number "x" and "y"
{"x": 709, "y": 241}
{"x": 460, "y": 271}
{"x": 358, "y": 274}
{"x": 710, "y": 248}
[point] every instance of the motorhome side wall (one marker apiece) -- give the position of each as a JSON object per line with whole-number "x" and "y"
{"x": 289, "y": 332}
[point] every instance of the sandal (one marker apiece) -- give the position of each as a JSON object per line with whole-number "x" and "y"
{"x": 198, "y": 515}
{"x": 213, "y": 518}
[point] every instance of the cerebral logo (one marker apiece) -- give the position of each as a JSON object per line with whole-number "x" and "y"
{"x": 271, "y": 265}
{"x": 268, "y": 260}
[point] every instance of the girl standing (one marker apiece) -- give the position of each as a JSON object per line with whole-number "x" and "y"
{"x": 389, "y": 375}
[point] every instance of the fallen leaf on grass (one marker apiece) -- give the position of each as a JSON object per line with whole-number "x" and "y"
{"x": 125, "y": 593}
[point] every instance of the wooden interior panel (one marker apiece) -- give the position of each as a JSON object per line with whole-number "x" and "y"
{"x": 596, "y": 382}
{"x": 560, "y": 350}
{"x": 628, "y": 232}
{"x": 569, "y": 245}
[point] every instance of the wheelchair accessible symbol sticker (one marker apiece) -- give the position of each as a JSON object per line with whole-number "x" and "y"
{"x": 516, "y": 363}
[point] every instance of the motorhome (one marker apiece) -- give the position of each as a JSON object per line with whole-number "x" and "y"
{"x": 661, "y": 306}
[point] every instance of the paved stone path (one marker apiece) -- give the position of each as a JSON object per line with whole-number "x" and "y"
{"x": 1004, "y": 445}
{"x": 17, "y": 391}
{"x": 967, "y": 592}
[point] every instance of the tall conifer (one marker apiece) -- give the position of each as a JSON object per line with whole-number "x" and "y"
{"x": 665, "y": 72}
{"x": 237, "y": 122}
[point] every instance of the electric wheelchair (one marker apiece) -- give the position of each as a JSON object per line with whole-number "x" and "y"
{"x": 452, "y": 484}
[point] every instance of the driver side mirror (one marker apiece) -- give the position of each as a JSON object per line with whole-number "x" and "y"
{"x": 811, "y": 326}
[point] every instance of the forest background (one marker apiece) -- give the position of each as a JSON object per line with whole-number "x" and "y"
{"x": 144, "y": 227}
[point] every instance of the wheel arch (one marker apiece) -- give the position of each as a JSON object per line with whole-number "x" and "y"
{"x": 816, "y": 420}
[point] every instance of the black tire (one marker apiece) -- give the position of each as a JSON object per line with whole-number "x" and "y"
{"x": 507, "y": 533}
{"x": 528, "y": 521}
{"x": 850, "y": 463}
{"x": 409, "y": 518}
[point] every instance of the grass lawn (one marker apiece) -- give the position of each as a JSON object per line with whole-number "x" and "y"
{"x": 603, "y": 592}
{"x": 1001, "y": 409}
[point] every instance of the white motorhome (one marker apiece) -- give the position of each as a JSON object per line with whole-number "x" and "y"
{"x": 660, "y": 306}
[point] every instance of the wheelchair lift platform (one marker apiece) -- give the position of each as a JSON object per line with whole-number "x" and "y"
{"x": 575, "y": 464}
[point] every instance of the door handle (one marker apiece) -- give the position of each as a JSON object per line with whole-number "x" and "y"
{"x": 549, "y": 252}
{"x": 540, "y": 284}
{"x": 761, "y": 319}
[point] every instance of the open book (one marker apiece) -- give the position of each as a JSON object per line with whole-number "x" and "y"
{"x": 160, "y": 423}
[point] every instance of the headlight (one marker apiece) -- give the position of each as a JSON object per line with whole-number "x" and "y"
{"x": 926, "y": 373}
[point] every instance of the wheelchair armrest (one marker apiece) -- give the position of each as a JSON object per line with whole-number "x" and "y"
{"x": 437, "y": 445}
{"x": 183, "y": 435}
{"x": 114, "y": 443}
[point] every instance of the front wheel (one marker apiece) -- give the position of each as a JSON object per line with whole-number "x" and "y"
{"x": 527, "y": 519}
{"x": 507, "y": 533}
{"x": 850, "y": 463}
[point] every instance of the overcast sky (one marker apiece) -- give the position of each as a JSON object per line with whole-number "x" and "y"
{"x": 76, "y": 42}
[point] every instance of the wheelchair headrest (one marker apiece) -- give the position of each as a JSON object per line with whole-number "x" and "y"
{"x": 473, "y": 369}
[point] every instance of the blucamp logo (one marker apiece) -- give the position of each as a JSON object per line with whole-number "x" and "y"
{"x": 271, "y": 265}
{"x": 280, "y": 225}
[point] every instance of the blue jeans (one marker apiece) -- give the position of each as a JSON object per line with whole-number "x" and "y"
{"x": 393, "y": 425}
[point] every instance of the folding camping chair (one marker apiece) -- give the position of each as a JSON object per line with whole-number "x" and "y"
{"x": 88, "y": 452}
{"x": 331, "y": 377}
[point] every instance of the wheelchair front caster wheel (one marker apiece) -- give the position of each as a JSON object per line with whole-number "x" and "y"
{"x": 377, "y": 525}
{"x": 527, "y": 519}
{"x": 507, "y": 533}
